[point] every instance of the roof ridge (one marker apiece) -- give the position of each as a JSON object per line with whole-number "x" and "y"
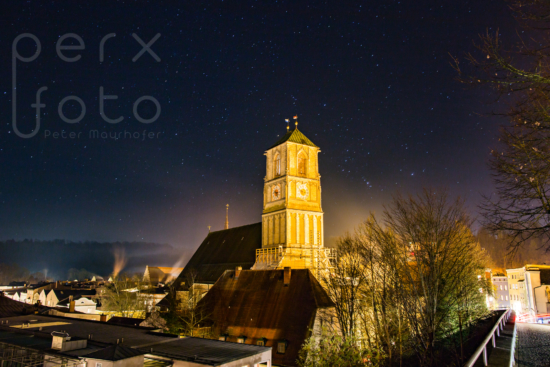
{"x": 246, "y": 225}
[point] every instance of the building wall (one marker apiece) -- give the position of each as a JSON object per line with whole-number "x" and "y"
{"x": 516, "y": 281}
{"x": 502, "y": 295}
{"x": 541, "y": 299}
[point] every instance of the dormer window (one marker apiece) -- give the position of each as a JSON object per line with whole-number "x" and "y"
{"x": 277, "y": 164}
{"x": 281, "y": 346}
{"x": 241, "y": 339}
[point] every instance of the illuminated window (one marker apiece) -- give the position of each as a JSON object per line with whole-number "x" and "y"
{"x": 98, "y": 365}
{"x": 501, "y": 298}
{"x": 505, "y": 287}
{"x": 500, "y": 287}
{"x": 261, "y": 342}
{"x": 507, "y": 298}
{"x": 241, "y": 339}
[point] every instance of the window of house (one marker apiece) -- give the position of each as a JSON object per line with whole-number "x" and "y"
{"x": 98, "y": 365}
{"x": 241, "y": 339}
{"x": 507, "y": 298}
{"x": 500, "y": 287}
{"x": 501, "y": 298}
{"x": 281, "y": 347}
{"x": 505, "y": 287}
{"x": 302, "y": 166}
{"x": 261, "y": 342}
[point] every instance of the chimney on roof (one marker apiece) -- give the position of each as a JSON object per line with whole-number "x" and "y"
{"x": 287, "y": 276}
{"x": 238, "y": 270}
{"x": 103, "y": 318}
{"x": 71, "y": 304}
{"x": 227, "y": 216}
{"x": 56, "y": 284}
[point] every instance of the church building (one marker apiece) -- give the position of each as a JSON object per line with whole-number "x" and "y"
{"x": 291, "y": 231}
{"x": 251, "y": 278}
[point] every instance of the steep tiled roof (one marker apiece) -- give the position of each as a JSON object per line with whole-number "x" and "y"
{"x": 258, "y": 305}
{"x": 224, "y": 250}
{"x": 9, "y": 307}
{"x": 294, "y": 136}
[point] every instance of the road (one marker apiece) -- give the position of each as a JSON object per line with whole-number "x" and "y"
{"x": 533, "y": 345}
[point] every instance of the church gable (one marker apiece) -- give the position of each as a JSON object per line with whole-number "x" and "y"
{"x": 221, "y": 251}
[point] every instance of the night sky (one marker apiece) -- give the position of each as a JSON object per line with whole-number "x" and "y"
{"x": 371, "y": 83}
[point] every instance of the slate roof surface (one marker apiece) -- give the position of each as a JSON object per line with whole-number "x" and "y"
{"x": 125, "y": 321}
{"x": 115, "y": 353}
{"x": 294, "y": 136}
{"x": 224, "y": 250}
{"x": 258, "y": 305}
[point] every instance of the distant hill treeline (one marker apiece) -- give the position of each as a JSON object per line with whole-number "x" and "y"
{"x": 57, "y": 258}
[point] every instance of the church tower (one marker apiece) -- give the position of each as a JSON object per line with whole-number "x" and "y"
{"x": 292, "y": 219}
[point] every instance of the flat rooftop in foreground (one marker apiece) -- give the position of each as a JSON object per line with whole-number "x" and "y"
{"x": 197, "y": 350}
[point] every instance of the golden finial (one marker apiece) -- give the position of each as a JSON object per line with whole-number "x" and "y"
{"x": 296, "y": 118}
{"x": 287, "y": 121}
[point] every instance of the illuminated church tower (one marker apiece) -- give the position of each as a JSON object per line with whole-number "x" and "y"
{"x": 292, "y": 219}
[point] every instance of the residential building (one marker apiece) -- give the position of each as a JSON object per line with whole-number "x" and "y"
{"x": 501, "y": 298}
{"x": 60, "y": 296}
{"x": 527, "y": 287}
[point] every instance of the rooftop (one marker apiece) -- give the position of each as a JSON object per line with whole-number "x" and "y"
{"x": 223, "y": 250}
{"x": 294, "y": 136}
{"x": 136, "y": 340}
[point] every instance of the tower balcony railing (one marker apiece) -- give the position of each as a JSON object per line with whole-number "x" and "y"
{"x": 318, "y": 257}
{"x": 269, "y": 256}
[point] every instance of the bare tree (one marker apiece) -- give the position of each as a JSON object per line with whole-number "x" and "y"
{"x": 520, "y": 163}
{"x": 428, "y": 250}
{"x": 122, "y": 295}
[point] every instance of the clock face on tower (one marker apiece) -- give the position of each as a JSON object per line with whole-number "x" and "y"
{"x": 302, "y": 191}
{"x": 276, "y": 192}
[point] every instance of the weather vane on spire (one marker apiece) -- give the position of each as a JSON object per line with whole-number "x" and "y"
{"x": 296, "y": 118}
{"x": 287, "y": 122}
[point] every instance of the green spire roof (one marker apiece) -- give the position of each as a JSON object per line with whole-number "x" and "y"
{"x": 294, "y": 136}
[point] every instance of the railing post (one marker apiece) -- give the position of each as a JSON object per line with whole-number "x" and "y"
{"x": 485, "y": 355}
{"x": 494, "y": 340}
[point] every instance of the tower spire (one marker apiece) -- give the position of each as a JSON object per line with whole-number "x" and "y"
{"x": 296, "y": 118}
{"x": 227, "y": 216}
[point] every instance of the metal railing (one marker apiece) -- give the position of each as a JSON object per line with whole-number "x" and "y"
{"x": 482, "y": 349}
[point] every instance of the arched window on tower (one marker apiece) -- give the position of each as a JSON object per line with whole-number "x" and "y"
{"x": 277, "y": 164}
{"x": 302, "y": 167}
